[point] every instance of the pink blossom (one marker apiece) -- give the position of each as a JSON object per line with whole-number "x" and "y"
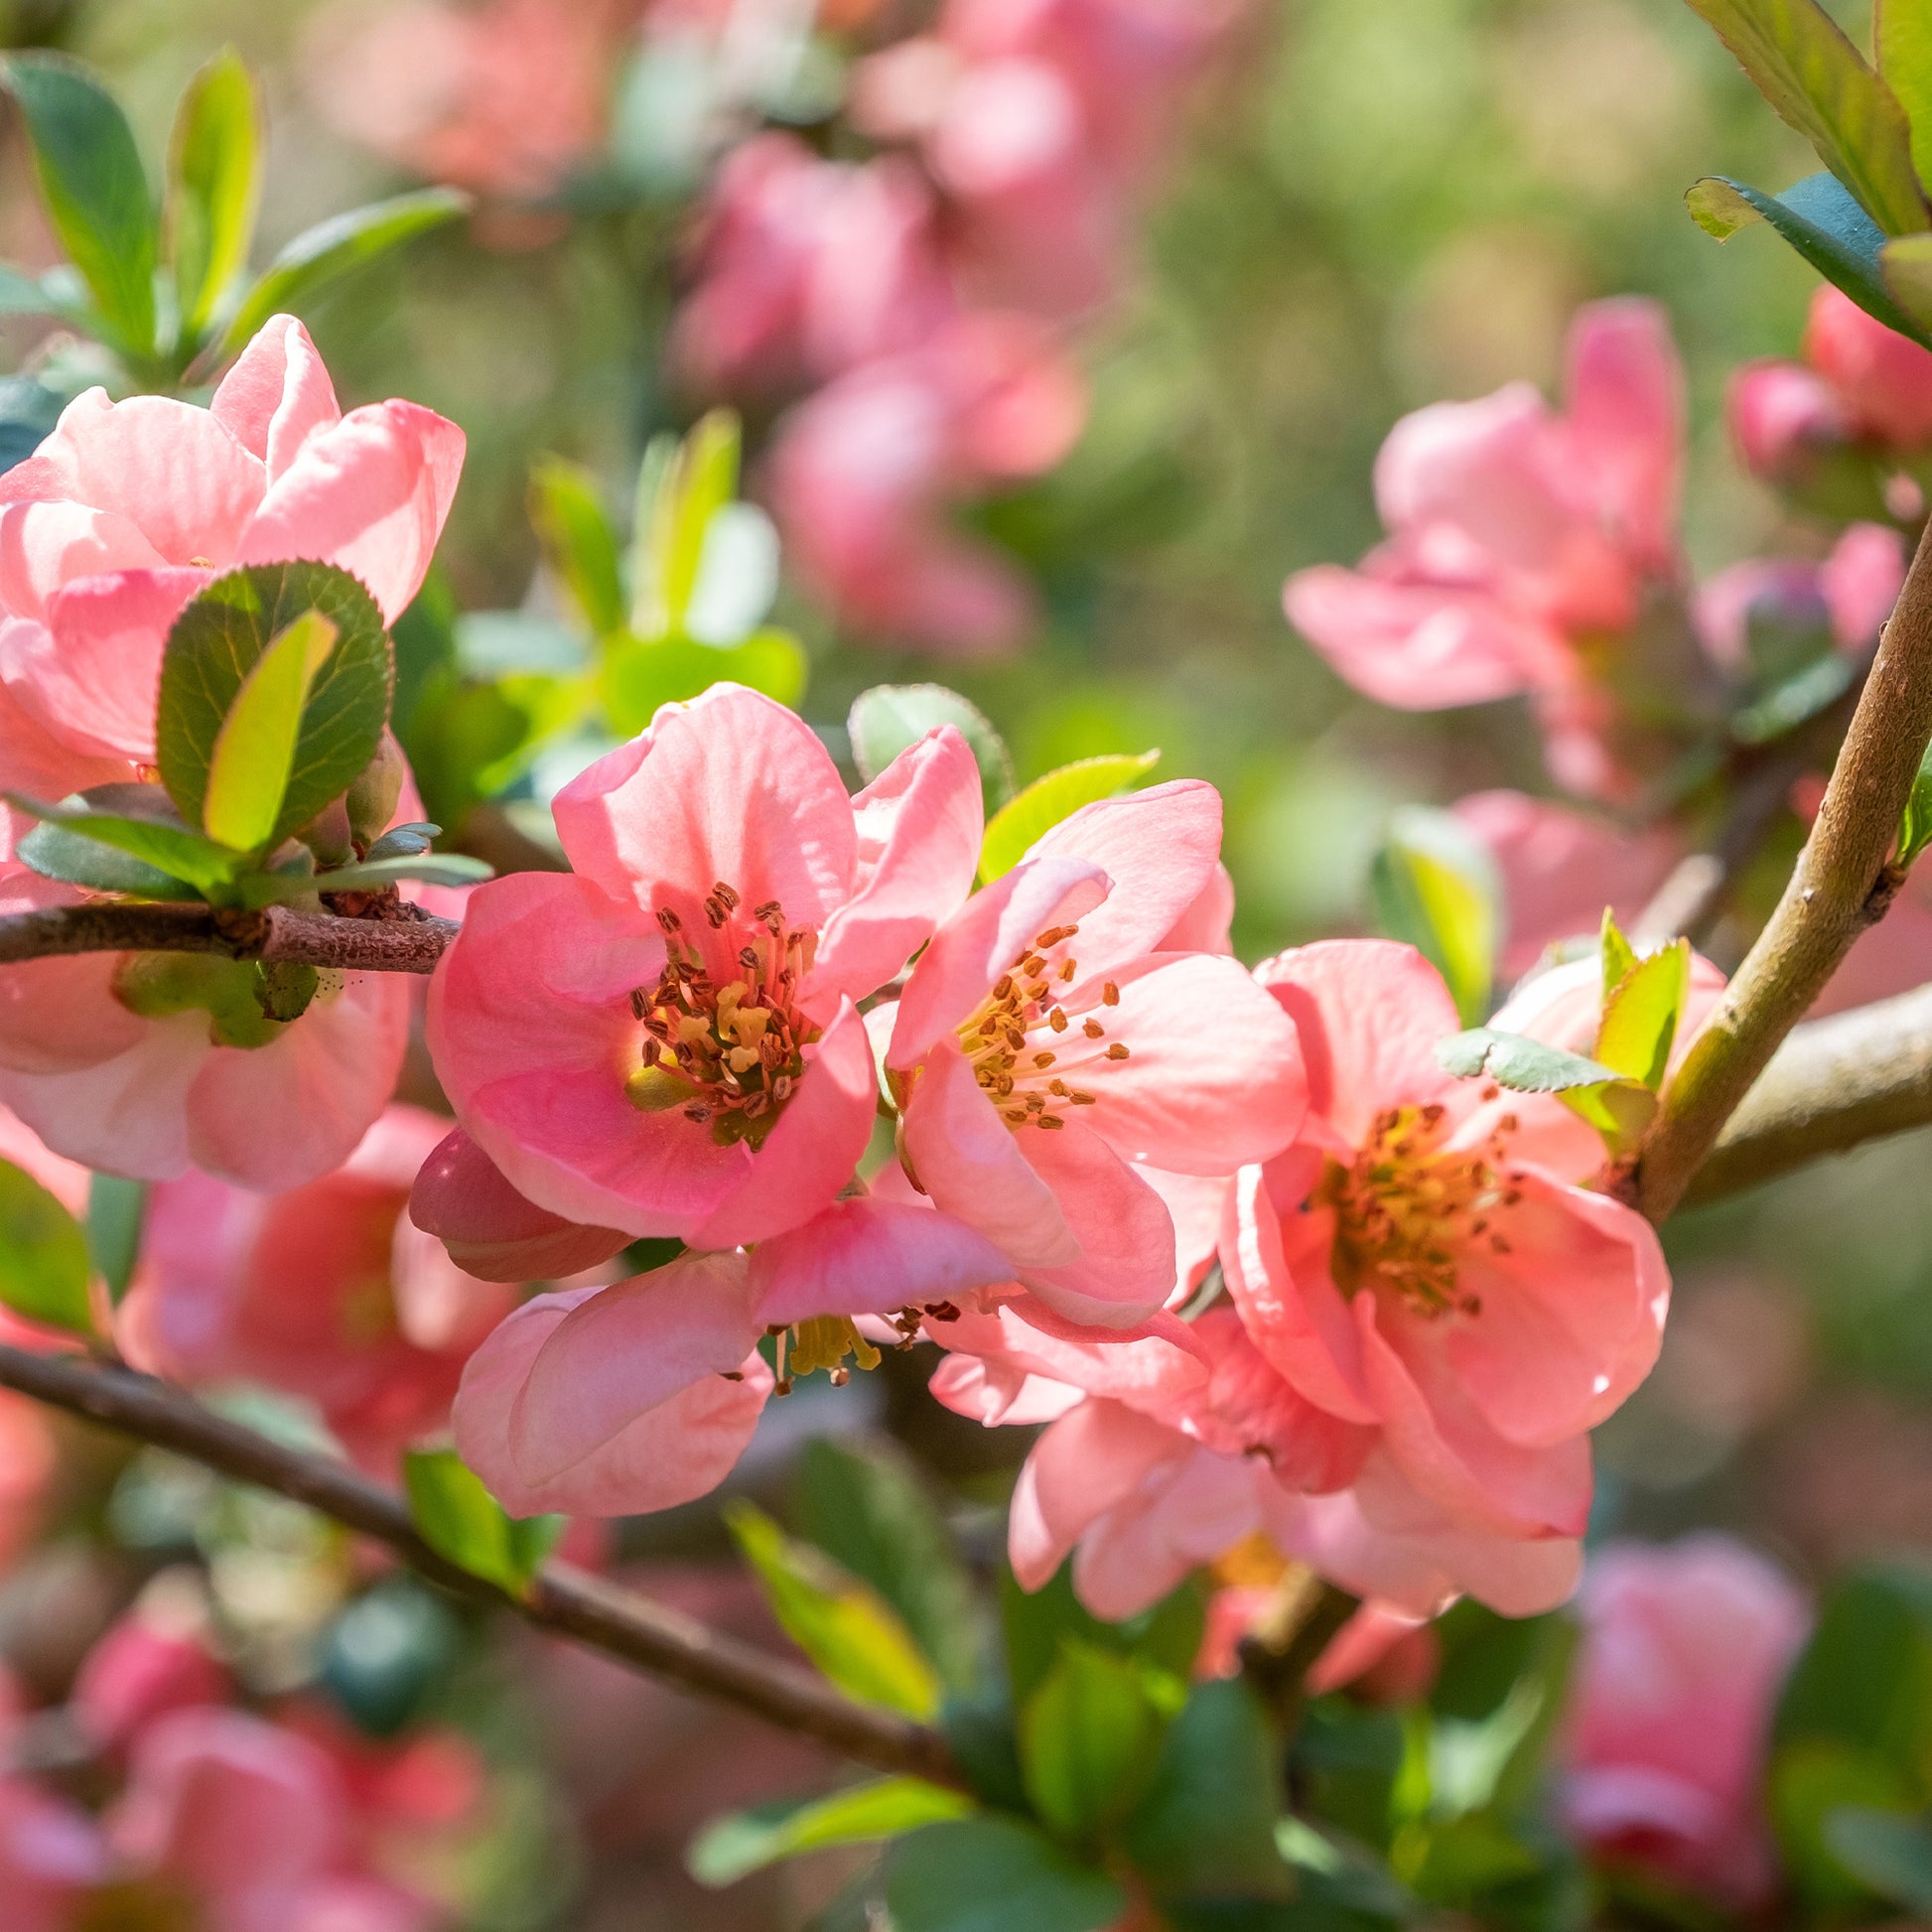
{"x": 1849, "y": 595}
{"x": 1880, "y": 380}
{"x": 1785, "y": 421}
{"x": 664, "y": 1042}
{"x": 1040, "y": 1080}
{"x": 328, "y": 1291}
{"x": 1684, "y": 1646}
{"x": 153, "y": 1660}
{"x": 1423, "y": 1260}
{"x": 50, "y": 1856}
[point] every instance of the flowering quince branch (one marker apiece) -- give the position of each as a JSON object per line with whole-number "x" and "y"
{"x": 405, "y": 940}
{"x": 559, "y": 1598}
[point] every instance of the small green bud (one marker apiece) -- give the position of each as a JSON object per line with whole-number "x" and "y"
{"x": 371, "y": 799}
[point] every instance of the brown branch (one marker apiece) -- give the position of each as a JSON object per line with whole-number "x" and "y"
{"x": 569, "y": 1601}
{"x": 1840, "y": 884}
{"x": 406, "y": 940}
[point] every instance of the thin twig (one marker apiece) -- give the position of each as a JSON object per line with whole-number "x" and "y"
{"x": 569, "y": 1601}
{"x": 406, "y": 940}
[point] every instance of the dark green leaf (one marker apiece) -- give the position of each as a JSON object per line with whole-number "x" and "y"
{"x": 730, "y": 1849}
{"x": 333, "y": 248}
{"x": 96, "y": 190}
{"x": 1435, "y": 886}
{"x": 1865, "y": 1679}
{"x": 1797, "y": 699}
{"x": 1891, "y": 1855}
{"x": 213, "y": 186}
{"x": 1819, "y": 84}
{"x": 1813, "y": 1780}
{"x": 216, "y": 641}
{"x": 1513, "y": 1060}
{"x": 42, "y": 1254}
{"x": 991, "y": 1875}
{"x": 985, "y": 1744}
{"x": 137, "y": 845}
{"x": 403, "y": 841}
{"x": 578, "y": 544}
{"x": 460, "y": 1520}
{"x": 888, "y": 718}
{"x": 1034, "y": 811}
{"x": 1088, "y": 1739}
{"x": 116, "y": 1208}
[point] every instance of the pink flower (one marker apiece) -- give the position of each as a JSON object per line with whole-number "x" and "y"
{"x": 1785, "y": 421}
{"x": 664, "y": 1042}
{"x": 1880, "y": 379}
{"x": 1684, "y": 1646}
{"x": 146, "y": 1064}
{"x": 153, "y": 1660}
{"x": 1422, "y": 1259}
{"x": 50, "y": 1856}
{"x": 1849, "y": 595}
{"x": 328, "y": 1291}
{"x": 1041, "y": 1080}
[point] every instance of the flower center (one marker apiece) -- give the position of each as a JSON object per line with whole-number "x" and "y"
{"x": 1027, "y": 1053}
{"x": 1406, "y": 1208}
{"x": 728, "y": 1055}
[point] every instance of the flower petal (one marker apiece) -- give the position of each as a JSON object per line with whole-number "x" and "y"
{"x": 277, "y": 396}
{"x": 870, "y": 1257}
{"x": 1625, "y": 405}
{"x": 45, "y": 545}
{"x": 1086, "y": 1463}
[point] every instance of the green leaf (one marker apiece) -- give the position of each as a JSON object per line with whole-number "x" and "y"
{"x": 216, "y": 643}
{"x": 1812, "y": 1781}
{"x": 403, "y": 841}
{"x": 678, "y": 494}
{"x": 842, "y": 1625}
{"x": 1906, "y": 265}
{"x": 1206, "y": 1824}
{"x": 1617, "y": 953}
{"x": 214, "y": 171}
{"x": 28, "y": 412}
{"x": 1819, "y": 218}
{"x": 1902, "y": 42}
{"x": 370, "y": 876}
{"x": 730, "y": 1848}
{"x": 1891, "y": 1855}
{"x": 1514, "y": 1060}
{"x": 1819, "y": 84}
{"x": 94, "y": 187}
{"x": 460, "y": 1520}
{"x": 1641, "y": 1016}
{"x": 1619, "y": 1110}
{"x": 1434, "y": 885}
{"x": 142, "y": 848}
{"x": 116, "y": 1208}
{"x": 993, "y": 1875}
{"x": 249, "y": 770}
{"x": 333, "y": 248}
{"x": 1048, "y": 801}
{"x": 384, "y": 1655}
{"x": 1796, "y": 700}
{"x": 638, "y": 676}
{"x": 1865, "y": 1679}
{"x": 42, "y": 1254}
{"x": 865, "y": 1506}
{"x": 887, "y": 719}
{"x": 578, "y": 542}
{"x": 1915, "y": 822}
{"x": 1088, "y": 1739}
{"x": 1165, "y": 1638}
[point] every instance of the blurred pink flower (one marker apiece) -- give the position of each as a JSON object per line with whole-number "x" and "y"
{"x": 1880, "y": 379}
{"x": 1848, "y": 595}
{"x": 1785, "y": 421}
{"x": 328, "y": 1292}
{"x": 1685, "y": 1647}
{"x": 151, "y": 1661}
{"x": 664, "y": 1042}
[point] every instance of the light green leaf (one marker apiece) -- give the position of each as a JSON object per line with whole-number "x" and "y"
{"x": 1906, "y": 265}
{"x": 1088, "y": 1739}
{"x": 1639, "y": 1022}
{"x": 1915, "y": 822}
{"x": 578, "y": 544}
{"x": 638, "y": 676}
{"x": 677, "y": 496}
{"x": 1902, "y": 40}
{"x": 1434, "y": 885}
{"x": 1820, "y": 84}
{"x": 116, "y": 1208}
{"x": 96, "y": 190}
{"x": 42, "y": 1254}
{"x": 249, "y": 770}
{"x": 890, "y": 717}
{"x": 994, "y": 1874}
{"x": 1514, "y": 1060}
{"x": 730, "y": 1848}
{"x": 159, "y": 850}
{"x": 1059, "y": 795}
{"x": 1617, "y": 953}
{"x": 460, "y": 1520}
{"x": 333, "y": 248}
{"x": 842, "y": 1625}
{"x": 213, "y": 186}
{"x": 1619, "y": 1110}
{"x": 1891, "y": 1854}
{"x": 216, "y": 643}
{"x": 369, "y": 876}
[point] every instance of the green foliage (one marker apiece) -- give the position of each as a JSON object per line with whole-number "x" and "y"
{"x": 1516, "y": 1062}
{"x": 1435, "y": 886}
{"x": 214, "y": 175}
{"x": 248, "y": 767}
{"x": 1890, "y": 1854}
{"x": 1641, "y": 1012}
{"x": 460, "y": 1520}
{"x": 123, "y": 838}
{"x": 842, "y": 1625}
{"x": 993, "y": 1875}
{"x": 1088, "y": 1739}
{"x": 578, "y": 541}
{"x": 1165, "y": 1640}
{"x": 42, "y": 1254}
{"x": 1034, "y": 812}
{"x": 888, "y": 718}
{"x": 732, "y": 1848}
{"x": 1915, "y": 822}
{"x": 116, "y": 1208}
{"x": 638, "y": 676}
{"x": 682, "y": 487}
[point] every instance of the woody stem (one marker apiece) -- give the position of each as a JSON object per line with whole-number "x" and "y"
{"x": 404, "y": 941}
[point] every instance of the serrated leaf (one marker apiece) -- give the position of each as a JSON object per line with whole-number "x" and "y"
{"x": 1035, "y": 812}
{"x": 332, "y": 249}
{"x": 460, "y": 1520}
{"x": 153, "y": 856}
{"x": 887, "y": 719}
{"x": 249, "y": 770}
{"x": 116, "y": 1209}
{"x": 842, "y": 1625}
{"x": 636, "y": 677}
{"x": 1617, "y": 953}
{"x": 1435, "y": 886}
{"x": 42, "y": 1254}
{"x": 369, "y": 876}
{"x": 994, "y": 1874}
{"x": 217, "y": 642}
{"x": 567, "y": 513}
{"x": 1516, "y": 1062}
{"x": 94, "y": 187}
{"x": 1819, "y": 84}
{"x": 1641, "y": 1016}
{"x": 214, "y": 188}
{"x": 1088, "y": 1739}
{"x": 679, "y": 493}
{"x": 730, "y": 1848}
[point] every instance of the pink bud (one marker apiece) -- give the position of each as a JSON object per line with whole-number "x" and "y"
{"x": 1783, "y": 420}
{"x": 1882, "y": 381}
{"x": 151, "y": 1661}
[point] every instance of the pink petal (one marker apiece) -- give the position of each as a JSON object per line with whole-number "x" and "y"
{"x": 50, "y": 1855}
{"x": 730, "y": 788}
{"x": 1086, "y": 1463}
{"x": 1147, "y": 1374}
{"x": 35, "y": 763}
{"x": 870, "y": 1257}
{"x": 369, "y": 495}
{"x": 992, "y": 1393}
{"x": 43, "y": 545}
{"x": 982, "y": 941}
{"x": 919, "y": 826}
{"x": 1861, "y": 580}
{"x": 490, "y": 1230}
{"x": 59, "y": 1014}
{"x": 1159, "y": 848}
{"x": 1204, "y": 925}
{"x": 1624, "y": 398}
{"x": 277, "y": 396}
{"x": 1197, "y": 1207}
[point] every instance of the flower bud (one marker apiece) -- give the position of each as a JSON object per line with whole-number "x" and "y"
{"x": 1785, "y": 421}
{"x": 1881, "y": 382}
{"x": 371, "y": 799}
